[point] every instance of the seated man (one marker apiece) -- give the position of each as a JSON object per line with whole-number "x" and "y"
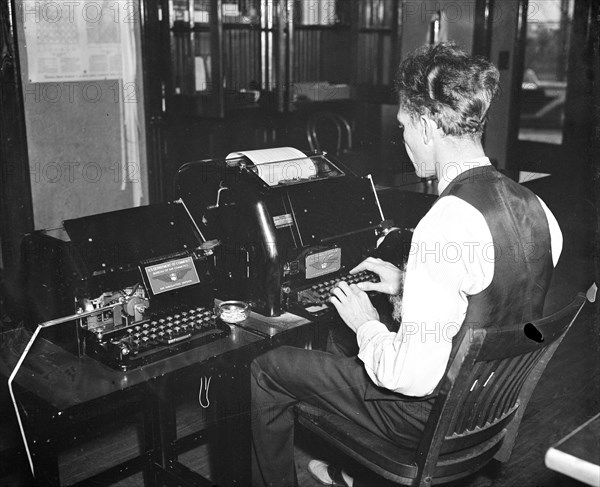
{"x": 483, "y": 255}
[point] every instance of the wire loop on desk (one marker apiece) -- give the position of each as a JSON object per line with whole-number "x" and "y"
{"x": 204, "y": 386}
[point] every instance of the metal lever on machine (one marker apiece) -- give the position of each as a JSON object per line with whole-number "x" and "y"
{"x": 216, "y": 205}
{"x": 376, "y": 197}
{"x": 206, "y": 246}
{"x": 221, "y": 188}
{"x": 182, "y": 203}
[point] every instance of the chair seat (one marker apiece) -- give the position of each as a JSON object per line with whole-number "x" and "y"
{"x": 390, "y": 460}
{"x": 385, "y": 458}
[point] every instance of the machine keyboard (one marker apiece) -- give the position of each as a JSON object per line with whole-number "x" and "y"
{"x": 160, "y": 336}
{"x": 319, "y": 293}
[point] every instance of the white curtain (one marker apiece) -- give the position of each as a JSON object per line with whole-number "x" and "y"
{"x": 131, "y": 164}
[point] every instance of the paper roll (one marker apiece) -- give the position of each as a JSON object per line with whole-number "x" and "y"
{"x": 280, "y": 164}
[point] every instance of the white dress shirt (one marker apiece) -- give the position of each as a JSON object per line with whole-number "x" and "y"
{"x": 451, "y": 258}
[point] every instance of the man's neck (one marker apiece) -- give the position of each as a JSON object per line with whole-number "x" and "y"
{"x": 457, "y": 156}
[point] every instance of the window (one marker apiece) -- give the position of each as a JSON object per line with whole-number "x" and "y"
{"x": 544, "y": 87}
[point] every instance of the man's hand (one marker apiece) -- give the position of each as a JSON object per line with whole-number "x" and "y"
{"x": 353, "y": 305}
{"x": 390, "y": 277}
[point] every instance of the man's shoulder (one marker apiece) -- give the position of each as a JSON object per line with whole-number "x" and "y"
{"x": 449, "y": 217}
{"x": 451, "y": 206}
{"x": 486, "y": 188}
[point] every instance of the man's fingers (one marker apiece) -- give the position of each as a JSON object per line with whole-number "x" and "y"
{"x": 338, "y": 293}
{"x": 342, "y": 290}
{"x": 373, "y": 286}
{"x": 369, "y": 286}
{"x": 343, "y": 285}
{"x": 356, "y": 290}
{"x": 369, "y": 264}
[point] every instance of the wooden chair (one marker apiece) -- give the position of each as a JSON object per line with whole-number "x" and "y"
{"x": 329, "y": 131}
{"x": 476, "y": 414}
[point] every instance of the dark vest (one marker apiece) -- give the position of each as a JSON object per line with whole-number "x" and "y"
{"x": 521, "y": 250}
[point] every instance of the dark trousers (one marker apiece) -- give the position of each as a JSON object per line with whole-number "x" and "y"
{"x": 328, "y": 380}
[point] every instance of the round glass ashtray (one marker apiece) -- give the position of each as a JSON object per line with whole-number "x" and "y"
{"x": 233, "y": 311}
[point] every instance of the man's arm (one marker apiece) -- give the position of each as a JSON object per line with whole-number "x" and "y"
{"x": 446, "y": 264}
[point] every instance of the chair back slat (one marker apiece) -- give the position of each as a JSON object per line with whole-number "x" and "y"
{"x": 479, "y": 405}
{"x": 516, "y": 370}
{"x": 492, "y": 397}
{"x": 526, "y": 369}
{"x": 501, "y": 381}
{"x": 480, "y": 399}
{"x": 460, "y": 442}
{"x": 488, "y": 379}
{"x": 468, "y": 414}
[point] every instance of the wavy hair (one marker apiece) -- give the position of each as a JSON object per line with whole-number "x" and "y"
{"x": 450, "y": 86}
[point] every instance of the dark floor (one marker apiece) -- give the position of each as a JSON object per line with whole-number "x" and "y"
{"x": 567, "y": 395}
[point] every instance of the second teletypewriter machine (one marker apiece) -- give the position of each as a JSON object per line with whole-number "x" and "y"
{"x": 142, "y": 279}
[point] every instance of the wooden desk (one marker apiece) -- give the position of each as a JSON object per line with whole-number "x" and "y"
{"x": 578, "y": 454}
{"x": 59, "y": 392}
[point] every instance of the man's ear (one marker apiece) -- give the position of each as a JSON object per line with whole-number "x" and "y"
{"x": 427, "y": 127}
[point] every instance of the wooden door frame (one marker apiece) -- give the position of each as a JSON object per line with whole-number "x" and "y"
{"x": 518, "y": 68}
{"x": 16, "y": 205}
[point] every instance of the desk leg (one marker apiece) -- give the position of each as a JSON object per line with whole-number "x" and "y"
{"x": 231, "y": 445}
{"x": 149, "y": 442}
{"x": 163, "y": 425}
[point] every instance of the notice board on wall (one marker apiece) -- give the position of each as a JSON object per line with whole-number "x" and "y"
{"x": 74, "y": 40}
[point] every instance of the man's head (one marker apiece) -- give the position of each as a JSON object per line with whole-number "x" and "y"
{"x": 444, "y": 89}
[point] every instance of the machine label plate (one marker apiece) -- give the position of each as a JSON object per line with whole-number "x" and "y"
{"x": 322, "y": 263}
{"x": 172, "y": 274}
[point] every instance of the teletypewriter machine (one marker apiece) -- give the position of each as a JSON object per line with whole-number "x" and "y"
{"x": 290, "y": 225}
{"x": 143, "y": 278}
